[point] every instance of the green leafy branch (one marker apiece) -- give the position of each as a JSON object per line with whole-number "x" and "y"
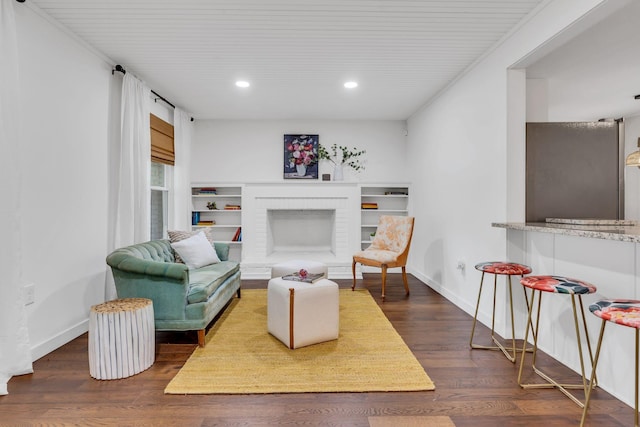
{"x": 339, "y": 154}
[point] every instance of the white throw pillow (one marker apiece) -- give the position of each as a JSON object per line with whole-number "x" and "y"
{"x": 196, "y": 251}
{"x": 176, "y": 236}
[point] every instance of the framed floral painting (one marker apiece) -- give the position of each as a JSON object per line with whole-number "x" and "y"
{"x": 301, "y": 156}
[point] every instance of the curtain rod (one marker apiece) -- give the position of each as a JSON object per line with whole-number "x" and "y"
{"x": 121, "y": 69}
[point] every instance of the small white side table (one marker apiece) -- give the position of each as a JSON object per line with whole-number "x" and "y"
{"x": 121, "y": 338}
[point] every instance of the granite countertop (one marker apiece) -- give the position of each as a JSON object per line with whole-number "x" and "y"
{"x": 598, "y": 229}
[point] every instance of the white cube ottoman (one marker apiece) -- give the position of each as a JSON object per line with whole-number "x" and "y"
{"x": 288, "y": 267}
{"x": 300, "y": 314}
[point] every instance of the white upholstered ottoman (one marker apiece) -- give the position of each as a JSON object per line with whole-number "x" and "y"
{"x": 288, "y": 267}
{"x": 300, "y": 314}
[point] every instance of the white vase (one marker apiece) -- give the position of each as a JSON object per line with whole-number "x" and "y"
{"x": 337, "y": 173}
{"x": 301, "y": 170}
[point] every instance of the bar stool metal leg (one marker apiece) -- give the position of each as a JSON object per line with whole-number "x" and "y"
{"x": 498, "y": 346}
{"x": 575, "y": 289}
{"x": 622, "y": 312}
{"x": 507, "y": 269}
{"x": 593, "y": 373}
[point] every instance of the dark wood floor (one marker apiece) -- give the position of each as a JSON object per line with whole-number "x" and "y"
{"x": 473, "y": 388}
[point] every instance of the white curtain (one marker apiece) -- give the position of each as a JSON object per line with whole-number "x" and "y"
{"x": 131, "y": 180}
{"x": 180, "y": 219}
{"x": 15, "y": 349}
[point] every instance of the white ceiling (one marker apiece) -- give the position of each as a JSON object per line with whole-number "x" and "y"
{"x": 296, "y": 53}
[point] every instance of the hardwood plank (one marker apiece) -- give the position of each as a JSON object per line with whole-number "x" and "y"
{"x": 473, "y": 387}
{"x": 402, "y": 421}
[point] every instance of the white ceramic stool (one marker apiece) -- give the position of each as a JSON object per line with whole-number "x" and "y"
{"x": 300, "y": 314}
{"x": 288, "y": 267}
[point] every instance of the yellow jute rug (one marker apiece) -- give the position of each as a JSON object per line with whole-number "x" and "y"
{"x": 241, "y": 357}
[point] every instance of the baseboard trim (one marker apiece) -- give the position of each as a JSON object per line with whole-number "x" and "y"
{"x": 483, "y": 317}
{"x": 453, "y": 298}
{"x": 46, "y": 347}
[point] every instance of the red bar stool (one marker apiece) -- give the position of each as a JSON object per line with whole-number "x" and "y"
{"x": 507, "y": 269}
{"x": 559, "y": 285}
{"x": 623, "y": 312}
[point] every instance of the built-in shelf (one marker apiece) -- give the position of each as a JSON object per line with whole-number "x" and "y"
{"x": 389, "y": 200}
{"x": 387, "y": 211}
{"x": 227, "y": 222}
{"x": 217, "y": 212}
{"x": 217, "y": 226}
{"x": 215, "y": 196}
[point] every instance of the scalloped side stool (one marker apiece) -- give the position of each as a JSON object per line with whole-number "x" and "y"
{"x": 506, "y": 269}
{"x": 624, "y": 312}
{"x": 575, "y": 289}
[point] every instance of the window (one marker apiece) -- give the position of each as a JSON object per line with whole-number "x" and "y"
{"x": 162, "y": 158}
{"x": 159, "y": 201}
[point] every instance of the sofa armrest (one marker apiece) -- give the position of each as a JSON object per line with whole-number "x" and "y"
{"x": 128, "y": 263}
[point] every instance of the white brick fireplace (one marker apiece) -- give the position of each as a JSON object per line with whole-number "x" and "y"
{"x": 317, "y": 221}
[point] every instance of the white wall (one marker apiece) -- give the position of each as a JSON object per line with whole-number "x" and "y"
{"x": 537, "y": 100}
{"x": 252, "y": 150}
{"x": 64, "y": 105}
{"x": 460, "y": 163}
{"x": 598, "y": 77}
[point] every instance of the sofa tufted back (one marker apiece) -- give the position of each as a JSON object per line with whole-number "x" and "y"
{"x": 154, "y": 250}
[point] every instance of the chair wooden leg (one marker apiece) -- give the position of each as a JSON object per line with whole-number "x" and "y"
{"x": 384, "y": 278}
{"x": 353, "y": 271}
{"x": 201, "y": 337}
{"x": 404, "y": 279}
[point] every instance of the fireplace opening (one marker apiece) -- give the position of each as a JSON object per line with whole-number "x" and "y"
{"x": 300, "y": 231}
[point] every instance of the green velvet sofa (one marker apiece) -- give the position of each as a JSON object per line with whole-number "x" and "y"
{"x": 183, "y": 299}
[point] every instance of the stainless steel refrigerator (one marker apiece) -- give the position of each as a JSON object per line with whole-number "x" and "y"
{"x": 574, "y": 170}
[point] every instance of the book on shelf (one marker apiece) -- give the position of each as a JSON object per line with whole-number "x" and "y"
{"x": 205, "y": 223}
{"x": 395, "y": 193}
{"x": 309, "y": 278}
{"x": 369, "y": 205}
{"x": 232, "y": 207}
{"x": 195, "y": 218}
{"x": 205, "y": 191}
{"x": 236, "y": 236}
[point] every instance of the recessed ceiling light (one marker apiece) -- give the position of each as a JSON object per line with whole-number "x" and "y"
{"x": 242, "y": 83}
{"x": 351, "y": 85}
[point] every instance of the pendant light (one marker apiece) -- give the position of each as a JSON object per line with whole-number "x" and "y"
{"x": 633, "y": 159}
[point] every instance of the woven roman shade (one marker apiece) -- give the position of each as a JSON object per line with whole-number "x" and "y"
{"x": 162, "y": 150}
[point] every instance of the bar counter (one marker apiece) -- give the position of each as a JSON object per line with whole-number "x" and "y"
{"x": 597, "y": 230}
